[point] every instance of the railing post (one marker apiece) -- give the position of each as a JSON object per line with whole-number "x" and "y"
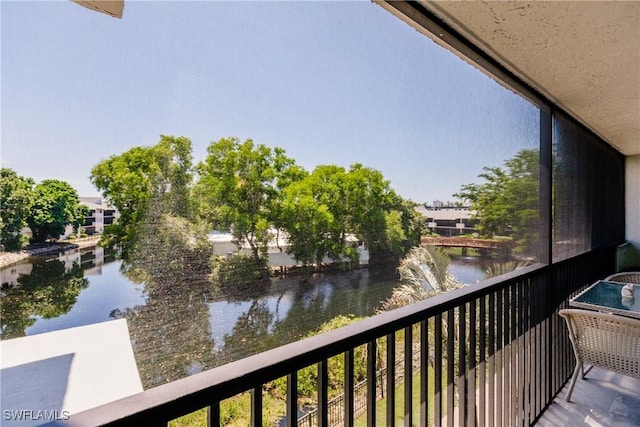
{"x": 292, "y": 399}
{"x": 323, "y": 392}
{"x": 472, "y": 372}
{"x": 424, "y": 373}
{"x": 256, "y": 406}
{"x": 213, "y": 415}
{"x": 371, "y": 383}
{"x": 451, "y": 366}
{"x": 391, "y": 379}
{"x": 508, "y": 360}
{"x": 408, "y": 376}
{"x": 348, "y": 388}
{"x": 482, "y": 365}
{"x": 437, "y": 400}
{"x": 462, "y": 366}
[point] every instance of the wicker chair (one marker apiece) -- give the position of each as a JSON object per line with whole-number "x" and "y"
{"x": 628, "y": 277}
{"x": 608, "y": 341}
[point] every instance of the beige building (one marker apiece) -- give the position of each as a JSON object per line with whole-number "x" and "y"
{"x": 100, "y": 215}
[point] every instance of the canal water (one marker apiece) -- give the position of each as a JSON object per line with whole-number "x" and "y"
{"x": 186, "y": 328}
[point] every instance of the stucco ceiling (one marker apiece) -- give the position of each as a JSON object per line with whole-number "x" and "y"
{"x": 582, "y": 55}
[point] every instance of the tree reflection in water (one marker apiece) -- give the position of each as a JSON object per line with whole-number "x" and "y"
{"x": 250, "y": 333}
{"x": 269, "y": 322}
{"x": 170, "y": 334}
{"x": 171, "y": 331}
{"x": 49, "y": 291}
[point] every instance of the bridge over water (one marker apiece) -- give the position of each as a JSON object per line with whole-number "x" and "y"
{"x": 465, "y": 242}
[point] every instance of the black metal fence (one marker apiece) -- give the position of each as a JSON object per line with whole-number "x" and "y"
{"x": 492, "y": 354}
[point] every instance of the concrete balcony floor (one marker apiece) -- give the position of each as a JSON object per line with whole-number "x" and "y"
{"x": 602, "y": 399}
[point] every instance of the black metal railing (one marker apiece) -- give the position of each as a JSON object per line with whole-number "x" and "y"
{"x": 493, "y": 354}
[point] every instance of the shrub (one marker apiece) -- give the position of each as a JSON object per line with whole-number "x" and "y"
{"x": 308, "y": 377}
{"x": 239, "y": 269}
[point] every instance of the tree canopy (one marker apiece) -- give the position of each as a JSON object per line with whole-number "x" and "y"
{"x": 314, "y": 212}
{"x": 507, "y": 203}
{"x": 56, "y": 204}
{"x": 16, "y": 199}
{"x": 131, "y": 180}
{"x": 331, "y": 203}
{"x": 240, "y": 188}
{"x": 255, "y": 191}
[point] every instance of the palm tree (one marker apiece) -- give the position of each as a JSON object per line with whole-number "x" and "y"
{"x": 424, "y": 272}
{"x": 503, "y": 267}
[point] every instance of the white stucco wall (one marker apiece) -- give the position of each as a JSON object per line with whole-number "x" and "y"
{"x": 632, "y": 214}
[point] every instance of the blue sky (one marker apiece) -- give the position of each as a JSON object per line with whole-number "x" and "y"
{"x": 330, "y": 82}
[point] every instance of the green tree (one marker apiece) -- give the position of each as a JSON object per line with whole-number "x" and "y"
{"x": 404, "y": 226}
{"x": 131, "y": 180}
{"x": 169, "y": 248}
{"x": 507, "y": 203}
{"x": 16, "y": 198}
{"x": 240, "y": 188}
{"x": 316, "y": 216}
{"x": 332, "y": 203}
{"x": 173, "y": 185}
{"x": 424, "y": 272}
{"x": 367, "y": 202}
{"x": 240, "y": 277}
{"x": 56, "y": 205}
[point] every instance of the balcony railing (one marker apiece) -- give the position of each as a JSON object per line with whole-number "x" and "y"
{"x": 495, "y": 353}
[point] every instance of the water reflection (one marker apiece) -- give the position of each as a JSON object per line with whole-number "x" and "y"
{"x": 170, "y": 333}
{"x": 175, "y": 334}
{"x": 292, "y": 308}
{"x": 468, "y": 270}
{"x": 49, "y": 290}
{"x": 179, "y": 322}
{"x": 171, "y": 337}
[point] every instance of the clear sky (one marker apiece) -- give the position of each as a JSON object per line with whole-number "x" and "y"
{"x": 330, "y": 82}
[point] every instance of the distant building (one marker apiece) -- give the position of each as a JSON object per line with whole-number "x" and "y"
{"x": 224, "y": 244}
{"x": 449, "y": 221}
{"x": 9, "y": 276}
{"x": 100, "y": 215}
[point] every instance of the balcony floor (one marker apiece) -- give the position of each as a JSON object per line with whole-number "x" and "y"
{"x": 603, "y": 399}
